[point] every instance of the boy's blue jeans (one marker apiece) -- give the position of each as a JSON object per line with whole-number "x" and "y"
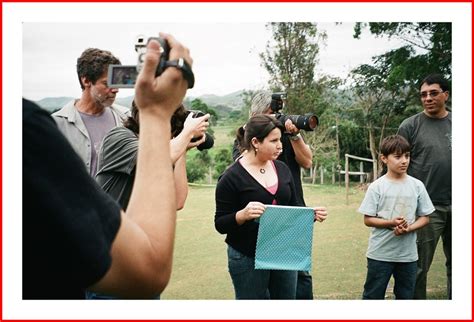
{"x": 378, "y": 276}
{"x": 251, "y": 283}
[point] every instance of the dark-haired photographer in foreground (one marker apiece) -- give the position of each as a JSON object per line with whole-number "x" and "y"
{"x": 296, "y": 154}
{"x": 75, "y": 236}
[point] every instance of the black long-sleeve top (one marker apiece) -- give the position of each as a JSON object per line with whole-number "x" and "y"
{"x": 288, "y": 157}
{"x": 235, "y": 189}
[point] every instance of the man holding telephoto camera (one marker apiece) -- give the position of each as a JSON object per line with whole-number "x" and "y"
{"x": 75, "y": 236}
{"x": 296, "y": 154}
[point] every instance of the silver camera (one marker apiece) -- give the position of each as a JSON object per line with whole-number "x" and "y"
{"x": 125, "y": 76}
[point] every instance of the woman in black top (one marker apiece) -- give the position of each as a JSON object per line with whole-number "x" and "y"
{"x": 256, "y": 179}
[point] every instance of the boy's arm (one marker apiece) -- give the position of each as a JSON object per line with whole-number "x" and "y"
{"x": 420, "y": 222}
{"x": 377, "y": 222}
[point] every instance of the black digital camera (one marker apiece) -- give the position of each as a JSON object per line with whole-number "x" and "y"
{"x": 307, "y": 122}
{"x": 125, "y": 76}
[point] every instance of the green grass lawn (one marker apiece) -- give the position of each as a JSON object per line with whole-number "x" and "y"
{"x": 339, "y": 246}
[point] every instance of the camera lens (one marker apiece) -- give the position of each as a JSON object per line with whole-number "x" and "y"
{"x": 312, "y": 121}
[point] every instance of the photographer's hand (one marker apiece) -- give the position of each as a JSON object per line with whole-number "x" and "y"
{"x": 193, "y": 127}
{"x": 303, "y": 153}
{"x": 196, "y": 143}
{"x": 161, "y": 95}
{"x": 196, "y": 126}
{"x": 291, "y": 128}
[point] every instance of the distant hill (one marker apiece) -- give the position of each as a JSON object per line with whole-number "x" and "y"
{"x": 233, "y": 100}
{"x": 224, "y": 104}
{"x": 52, "y": 104}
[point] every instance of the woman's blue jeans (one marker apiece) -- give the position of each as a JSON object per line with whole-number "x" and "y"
{"x": 251, "y": 283}
{"x": 378, "y": 276}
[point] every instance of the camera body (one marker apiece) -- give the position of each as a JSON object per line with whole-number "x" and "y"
{"x": 125, "y": 76}
{"x": 307, "y": 122}
{"x": 140, "y": 48}
{"x": 278, "y": 101}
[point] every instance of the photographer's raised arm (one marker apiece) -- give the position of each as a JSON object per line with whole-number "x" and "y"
{"x": 303, "y": 154}
{"x": 143, "y": 248}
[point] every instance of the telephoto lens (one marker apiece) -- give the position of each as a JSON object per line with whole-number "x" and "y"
{"x": 307, "y": 122}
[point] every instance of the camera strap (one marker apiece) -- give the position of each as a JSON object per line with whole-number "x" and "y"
{"x": 185, "y": 69}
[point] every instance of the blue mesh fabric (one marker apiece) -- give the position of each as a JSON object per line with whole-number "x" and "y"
{"x": 285, "y": 238}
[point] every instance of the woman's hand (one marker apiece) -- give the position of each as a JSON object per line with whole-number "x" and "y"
{"x": 320, "y": 214}
{"x": 253, "y": 210}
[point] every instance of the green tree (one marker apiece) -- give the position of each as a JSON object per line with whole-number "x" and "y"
{"x": 197, "y": 165}
{"x": 198, "y": 105}
{"x": 290, "y": 60}
{"x": 427, "y": 49}
{"x": 222, "y": 159}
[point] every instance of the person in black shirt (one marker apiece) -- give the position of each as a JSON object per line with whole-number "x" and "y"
{"x": 75, "y": 237}
{"x": 256, "y": 179}
{"x": 117, "y": 160}
{"x": 296, "y": 154}
{"x": 118, "y": 154}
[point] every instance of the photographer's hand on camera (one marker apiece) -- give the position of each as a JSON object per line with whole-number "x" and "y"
{"x": 303, "y": 154}
{"x": 291, "y": 129}
{"x": 161, "y": 95}
{"x": 194, "y": 144}
{"x": 192, "y": 128}
{"x": 196, "y": 126}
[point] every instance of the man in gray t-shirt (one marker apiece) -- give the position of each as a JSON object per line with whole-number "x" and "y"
{"x": 429, "y": 134}
{"x": 84, "y": 122}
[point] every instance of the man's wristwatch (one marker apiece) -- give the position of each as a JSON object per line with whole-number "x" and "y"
{"x": 185, "y": 69}
{"x": 295, "y": 137}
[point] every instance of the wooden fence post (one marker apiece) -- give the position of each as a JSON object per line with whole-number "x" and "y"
{"x": 333, "y": 169}
{"x": 346, "y": 177}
